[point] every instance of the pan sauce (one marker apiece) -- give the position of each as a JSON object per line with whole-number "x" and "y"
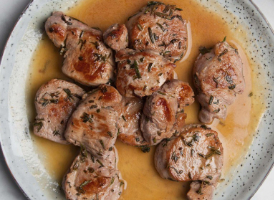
{"x": 137, "y": 168}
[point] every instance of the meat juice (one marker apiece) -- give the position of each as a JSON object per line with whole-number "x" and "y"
{"x": 137, "y": 168}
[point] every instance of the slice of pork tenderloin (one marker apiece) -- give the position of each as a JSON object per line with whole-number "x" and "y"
{"x": 94, "y": 123}
{"x": 218, "y": 77}
{"x": 200, "y": 190}
{"x": 129, "y": 122}
{"x": 196, "y": 155}
{"x": 116, "y": 37}
{"x": 54, "y": 103}
{"x": 91, "y": 178}
{"x": 161, "y": 28}
{"x": 141, "y": 73}
{"x": 87, "y": 59}
{"x": 163, "y": 113}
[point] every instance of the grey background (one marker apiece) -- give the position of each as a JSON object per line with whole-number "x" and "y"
{"x": 10, "y": 11}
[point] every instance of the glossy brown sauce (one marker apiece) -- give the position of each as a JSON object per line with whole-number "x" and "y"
{"x": 137, "y": 167}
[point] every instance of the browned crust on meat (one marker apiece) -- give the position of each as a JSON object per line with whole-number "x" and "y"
{"x": 161, "y": 28}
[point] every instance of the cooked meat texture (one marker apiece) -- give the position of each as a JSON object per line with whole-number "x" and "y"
{"x": 141, "y": 73}
{"x": 218, "y": 76}
{"x": 200, "y": 190}
{"x": 54, "y": 103}
{"x": 129, "y": 122}
{"x": 87, "y": 59}
{"x": 197, "y": 154}
{"x": 92, "y": 178}
{"x": 116, "y": 37}
{"x": 163, "y": 113}
{"x": 161, "y": 28}
{"x": 93, "y": 123}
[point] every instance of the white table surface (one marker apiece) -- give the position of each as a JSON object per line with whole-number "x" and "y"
{"x": 9, "y": 13}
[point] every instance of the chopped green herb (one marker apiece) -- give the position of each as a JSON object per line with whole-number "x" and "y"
{"x": 109, "y": 133}
{"x": 45, "y": 102}
{"x": 221, "y": 54}
{"x": 216, "y": 111}
{"x": 162, "y": 93}
{"x": 201, "y": 155}
{"x": 135, "y": 65}
{"x": 100, "y": 163}
{"x": 149, "y": 66}
{"x": 39, "y": 124}
{"x": 122, "y": 183}
{"x": 174, "y": 157}
{"x": 204, "y": 127}
{"x": 151, "y": 35}
{"x": 210, "y": 100}
{"x": 118, "y": 132}
{"x": 80, "y": 188}
{"x": 231, "y": 87}
{"x": 56, "y": 132}
{"x": 102, "y": 143}
{"x": 145, "y": 149}
{"x": 112, "y": 180}
{"x": 86, "y": 118}
{"x": 204, "y": 50}
{"x": 124, "y": 118}
{"x": 224, "y": 39}
{"x": 209, "y": 177}
{"x": 161, "y": 27}
{"x": 200, "y": 190}
{"x": 177, "y": 172}
{"x": 139, "y": 27}
{"x": 154, "y": 140}
{"x": 93, "y": 106}
{"x": 69, "y": 94}
{"x": 96, "y": 44}
{"x": 196, "y": 137}
{"x": 209, "y": 134}
{"x": 216, "y": 151}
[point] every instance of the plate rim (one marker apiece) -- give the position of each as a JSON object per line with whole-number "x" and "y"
{"x": 1, "y": 59}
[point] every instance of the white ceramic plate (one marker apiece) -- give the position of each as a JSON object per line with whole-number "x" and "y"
{"x": 16, "y": 141}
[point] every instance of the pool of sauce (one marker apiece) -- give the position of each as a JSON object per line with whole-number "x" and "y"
{"x": 137, "y": 168}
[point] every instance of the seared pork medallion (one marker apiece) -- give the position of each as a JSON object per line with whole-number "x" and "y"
{"x": 116, "y": 37}
{"x": 54, "y": 103}
{"x": 163, "y": 113}
{"x": 161, "y": 28}
{"x": 218, "y": 77}
{"x": 129, "y": 122}
{"x": 87, "y": 59}
{"x": 140, "y": 73}
{"x": 93, "y": 178}
{"x": 200, "y": 190}
{"x": 94, "y": 123}
{"x": 196, "y": 155}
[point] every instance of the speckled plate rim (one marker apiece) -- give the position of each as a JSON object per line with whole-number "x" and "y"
{"x": 9, "y": 41}
{"x": 272, "y": 166}
{"x": 2, "y": 54}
